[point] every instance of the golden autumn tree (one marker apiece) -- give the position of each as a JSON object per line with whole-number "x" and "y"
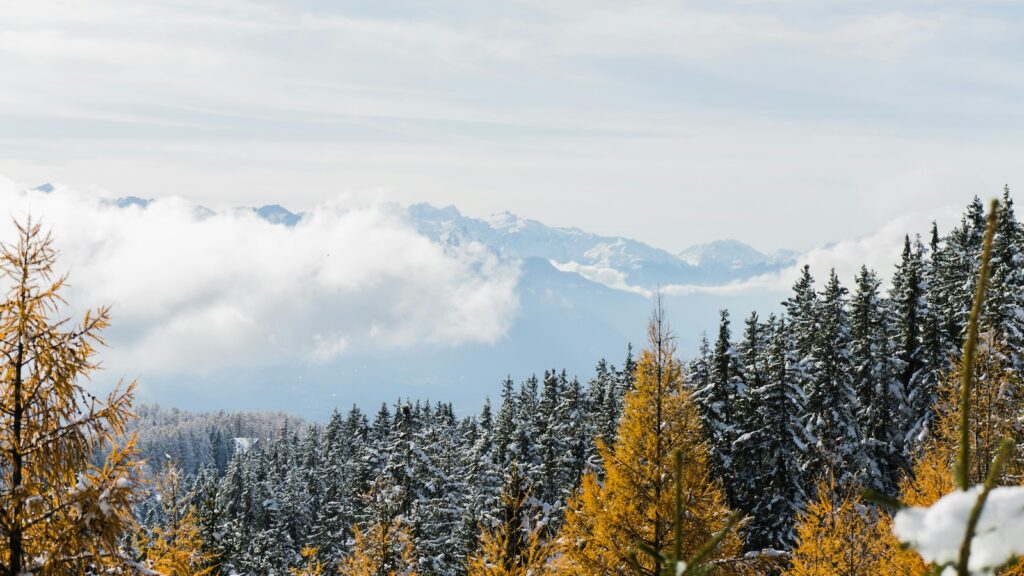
{"x": 837, "y": 535}
{"x": 176, "y": 548}
{"x": 996, "y": 409}
{"x": 515, "y": 547}
{"x": 634, "y": 508}
{"x": 60, "y": 513}
{"x": 384, "y": 549}
{"x": 312, "y": 567}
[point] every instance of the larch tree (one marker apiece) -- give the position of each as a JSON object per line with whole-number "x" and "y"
{"x": 384, "y": 549}
{"x": 60, "y": 513}
{"x": 606, "y": 523}
{"x": 516, "y": 546}
{"x": 996, "y": 406}
{"x": 175, "y": 548}
{"x": 837, "y": 535}
{"x": 311, "y": 564}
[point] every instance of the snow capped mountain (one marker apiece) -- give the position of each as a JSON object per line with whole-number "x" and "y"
{"x": 735, "y": 255}
{"x": 614, "y": 261}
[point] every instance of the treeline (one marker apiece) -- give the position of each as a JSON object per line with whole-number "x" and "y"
{"x": 315, "y": 485}
{"x": 193, "y": 441}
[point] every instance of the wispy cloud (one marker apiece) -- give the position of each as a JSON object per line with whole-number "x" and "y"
{"x": 748, "y": 113}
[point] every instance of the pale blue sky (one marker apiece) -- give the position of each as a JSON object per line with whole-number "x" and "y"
{"x": 783, "y": 124}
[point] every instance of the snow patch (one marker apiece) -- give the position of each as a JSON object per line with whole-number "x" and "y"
{"x": 938, "y": 531}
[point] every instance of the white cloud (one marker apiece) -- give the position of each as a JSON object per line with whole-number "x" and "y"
{"x": 879, "y": 251}
{"x": 192, "y": 294}
{"x": 603, "y": 275}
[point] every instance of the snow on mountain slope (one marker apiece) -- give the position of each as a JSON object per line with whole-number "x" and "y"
{"x": 616, "y": 262}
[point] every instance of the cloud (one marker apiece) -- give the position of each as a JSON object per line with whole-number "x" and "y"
{"x": 879, "y": 251}
{"x": 194, "y": 292}
{"x": 604, "y": 275}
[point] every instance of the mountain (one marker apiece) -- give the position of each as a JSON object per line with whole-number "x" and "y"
{"x": 611, "y": 260}
{"x": 581, "y": 296}
{"x": 723, "y": 256}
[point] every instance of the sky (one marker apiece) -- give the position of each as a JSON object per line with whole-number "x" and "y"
{"x": 784, "y": 124}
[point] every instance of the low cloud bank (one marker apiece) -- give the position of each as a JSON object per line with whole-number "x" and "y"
{"x": 194, "y": 291}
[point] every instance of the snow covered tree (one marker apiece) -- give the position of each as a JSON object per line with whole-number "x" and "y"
{"x": 954, "y": 277}
{"x": 606, "y": 522}
{"x": 1003, "y": 312}
{"x": 505, "y": 424}
{"x": 59, "y": 512}
{"x": 483, "y": 480}
{"x": 777, "y": 441}
{"x": 718, "y": 402}
{"x": 831, "y": 401}
{"x": 911, "y": 332}
{"x": 882, "y": 413}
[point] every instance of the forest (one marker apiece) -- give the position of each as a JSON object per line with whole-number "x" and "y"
{"x": 780, "y": 448}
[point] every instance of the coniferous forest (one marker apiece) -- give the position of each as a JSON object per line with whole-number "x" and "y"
{"x": 762, "y": 445}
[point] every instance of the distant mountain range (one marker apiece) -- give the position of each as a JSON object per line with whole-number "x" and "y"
{"x": 582, "y": 296}
{"x": 599, "y": 258}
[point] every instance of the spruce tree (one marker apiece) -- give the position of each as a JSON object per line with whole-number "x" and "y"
{"x": 831, "y": 401}
{"x": 781, "y": 441}
{"x": 881, "y": 415}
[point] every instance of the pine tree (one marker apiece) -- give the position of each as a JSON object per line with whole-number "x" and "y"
{"x": 59, "y": 512}
{"x": 483, "y": 479}
{"x": 505, "y": 425}
{"x": 909, "y": 335}
{"x": 956, "y": 266}
{"x": 634, "y": 506}
{"x": 745, "y": 448}
{"x": 1004, "y": 306}
{"x": 935, "y": 347}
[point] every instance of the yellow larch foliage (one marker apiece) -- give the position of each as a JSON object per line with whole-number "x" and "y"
{"x": 175, "y": 549}
{"x": 516, "y": 547}
{"x": 837, "y": 536}
{"x": 313, "y": 567}
{"x": 607, "y": 523}
{"x": 60, "y": 513}
{"x": 384, "y": 549}
{"x": 996, "y": 399}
